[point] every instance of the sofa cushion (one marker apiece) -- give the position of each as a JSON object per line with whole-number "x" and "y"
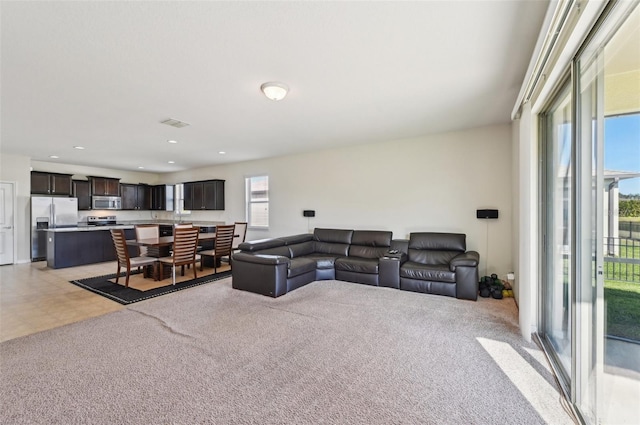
{"x": 300, "y": 249}
{"x": 434, "y": 273}
{"x": 334, "y": 249}
{"x": 277, "y": 250}
{"x": 322, "y": 261}
{"x": 370, "y": 243}
{"x": 301, "y": 265}
{"x": 431, "y": 257}
{"x": 438, "y": 241}
{"x": 339, "y": 236}
{"x": 357, "y": 265}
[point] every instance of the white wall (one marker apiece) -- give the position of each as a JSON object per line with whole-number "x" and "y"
{"x": 15, "y": 169}
{"x": 430, "y": 183}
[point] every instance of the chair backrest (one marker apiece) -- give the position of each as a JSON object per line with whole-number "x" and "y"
{"x": 146, "y": 231}
{"x": 224, "y": 240}
{"x": 183, "y": 226}
{"x": 120, "y": 244}
{"x": 185, "y": 242}
{"x": 239, "y": 234}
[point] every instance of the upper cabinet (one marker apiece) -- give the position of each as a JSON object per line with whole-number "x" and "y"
{"x": 162, "y": 197}
{"x": 204, "y": 195}
{"x": 43, "y": 183}
{"x": 104, "y": 186}
{"x": 135, "y": 196}
{"x": 82, "y": 191}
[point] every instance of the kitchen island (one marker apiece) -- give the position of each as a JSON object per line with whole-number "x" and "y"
{"x": 77, "y": 246}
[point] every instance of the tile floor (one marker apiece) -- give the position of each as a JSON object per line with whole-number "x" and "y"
{"x": 35, "y": 298}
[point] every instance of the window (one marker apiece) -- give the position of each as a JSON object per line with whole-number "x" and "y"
{"x": 257, "y": 201}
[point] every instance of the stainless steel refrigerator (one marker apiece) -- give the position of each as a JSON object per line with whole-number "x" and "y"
{"x": 49, "y": 212}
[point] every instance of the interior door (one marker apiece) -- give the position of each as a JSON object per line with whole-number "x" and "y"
{"x": 6, "y": 223}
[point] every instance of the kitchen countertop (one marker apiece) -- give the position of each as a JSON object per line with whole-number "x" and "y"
{"x": 82, "y": 227}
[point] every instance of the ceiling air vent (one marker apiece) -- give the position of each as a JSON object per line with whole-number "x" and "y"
{"x": 174, "y": 123}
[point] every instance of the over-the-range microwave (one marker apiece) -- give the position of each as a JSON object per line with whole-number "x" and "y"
{"x": 106, "y": 202}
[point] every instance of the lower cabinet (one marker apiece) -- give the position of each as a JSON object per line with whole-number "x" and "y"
{"x": 69, "y": 249}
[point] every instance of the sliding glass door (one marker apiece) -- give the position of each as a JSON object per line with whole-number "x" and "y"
{"x": 558, "y": 215}
{"x": 590, "y": 288}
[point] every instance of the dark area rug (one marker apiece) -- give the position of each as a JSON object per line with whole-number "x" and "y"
{"x": 102, "y": 286}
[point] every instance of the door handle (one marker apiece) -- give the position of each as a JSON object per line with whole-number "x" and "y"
{"x": 7, "y": 227}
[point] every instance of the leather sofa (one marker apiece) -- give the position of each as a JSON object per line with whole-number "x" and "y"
{"x": 276, "y": 266}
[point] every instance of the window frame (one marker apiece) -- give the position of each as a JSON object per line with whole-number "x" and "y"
{"x": 248, "y": 202}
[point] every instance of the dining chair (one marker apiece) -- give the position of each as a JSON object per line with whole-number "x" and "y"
{"x": 185, "y": 241}
{"x": 147, "y": 231}
{"x": 239, "y": 234}
{"x": 120, "y": 244}
{"x": 221, "y": 246}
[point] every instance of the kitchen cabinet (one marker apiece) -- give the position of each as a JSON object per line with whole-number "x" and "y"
{"x": 82, "y": 190}
{"x": 162, "y": 197}
{"x": 69, "y": 249}
{"x": 135, "y": 196}
{"x": 43, "y": 183}
{"x": 204, "y": 195}
{"x": 104, "y": 186}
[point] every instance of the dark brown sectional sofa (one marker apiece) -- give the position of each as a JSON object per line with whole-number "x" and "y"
{"x": 435, "y": 263}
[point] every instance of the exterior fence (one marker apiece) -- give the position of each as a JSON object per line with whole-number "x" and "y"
{"x": 622, "y": 259}
{"x": 629, "y": 229}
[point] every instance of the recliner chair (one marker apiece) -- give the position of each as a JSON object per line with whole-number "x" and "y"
{"x": 438, "y": 263}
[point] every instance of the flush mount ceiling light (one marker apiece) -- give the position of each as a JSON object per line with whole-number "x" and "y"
{"x": 79, "y": 147}
{"x": 171, "y": 162}
{"x": 274, "y": 90}
{"x": 173, "y": 142}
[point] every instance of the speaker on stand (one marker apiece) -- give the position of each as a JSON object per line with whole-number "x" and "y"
{"x": 487, "y": 215}
{"x": 309, "y": 214}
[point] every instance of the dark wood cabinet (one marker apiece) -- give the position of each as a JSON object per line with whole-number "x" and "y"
{"x": 104, "y": 186}
{"x": 135, "y": 196}
{"x": 82, "y": 191}
{"x": 162, "y": 197}
{"x": 43, "y": 183}
{"x": 204, "y": 195}
{"x": 69, "y": 249}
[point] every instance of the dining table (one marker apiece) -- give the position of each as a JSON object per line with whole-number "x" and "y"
{"x": 161, "y": 247}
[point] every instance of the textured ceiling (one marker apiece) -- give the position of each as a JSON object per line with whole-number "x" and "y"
{"x": 104, "y": 74}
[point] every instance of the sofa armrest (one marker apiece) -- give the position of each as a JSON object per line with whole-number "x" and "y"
{"x": 467, "y": 259}
{"x": 261, "y": 274}
{"x": 261, "y": 258}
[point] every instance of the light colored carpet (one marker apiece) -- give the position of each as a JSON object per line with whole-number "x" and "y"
{"x": 330, "y": 352}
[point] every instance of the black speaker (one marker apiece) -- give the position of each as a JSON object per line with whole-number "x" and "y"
{"x": 487, "y": 213}
{"x": 309, "y": 213}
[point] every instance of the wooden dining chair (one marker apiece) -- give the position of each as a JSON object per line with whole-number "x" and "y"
{"x": 239, "y": 234}
{"x": 185, "y": 241}
{"x": 120, "y": 244}
{"x": 221, "y": 247}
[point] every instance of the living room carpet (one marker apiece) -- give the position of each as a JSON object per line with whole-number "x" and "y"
{"x": 141, "y": 288}
{"x": 327, "y": 353}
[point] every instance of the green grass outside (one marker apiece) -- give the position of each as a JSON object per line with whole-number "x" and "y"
{"x": 622, "y": 303}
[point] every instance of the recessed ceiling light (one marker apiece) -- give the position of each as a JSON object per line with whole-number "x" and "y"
{"x": 78, "y": 147}
{"x": 54, "y": 156}
{"x": 171, "y": 162}
{"x": 172, "y": 141}
{"x": 141, "y": 168}
{"x": 222, "y": 152}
